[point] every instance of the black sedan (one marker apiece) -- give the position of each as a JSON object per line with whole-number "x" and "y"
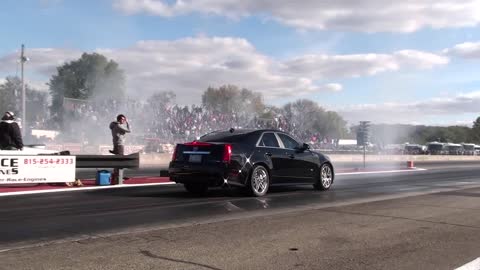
{"x": 254, "y": 159}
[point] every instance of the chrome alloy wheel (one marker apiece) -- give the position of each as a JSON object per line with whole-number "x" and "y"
{"x": 260, "y": 181}
{"x": 326, "y": 176}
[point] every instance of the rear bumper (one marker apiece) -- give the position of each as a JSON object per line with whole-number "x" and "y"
{"x": 212, "y": 175}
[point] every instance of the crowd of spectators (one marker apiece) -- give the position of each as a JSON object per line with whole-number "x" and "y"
{"x": 87, "y": 122}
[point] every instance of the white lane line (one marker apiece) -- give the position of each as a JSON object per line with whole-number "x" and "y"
{"x": 378, "y": 172}
{"x": 473, "y": 265}
{"x": 2, "y": 194}
{"x": 14, "y": 193}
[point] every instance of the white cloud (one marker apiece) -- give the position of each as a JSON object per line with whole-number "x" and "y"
{"x": 359, "y": 15}
{"x": 148, "y": 6}
{"x": 43, "y": 61}
{"x": 410, "y": 113}
{"x": 189, "y": 66}
{"x": 334, "y": 87}
{"x": 355, "y": 65}
{"x": 469, "y": 50}
{"x": 419, "y": 59}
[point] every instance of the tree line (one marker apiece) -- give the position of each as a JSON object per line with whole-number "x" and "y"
{"x": 383, "y": 134}
{"x": 93, "y": 76}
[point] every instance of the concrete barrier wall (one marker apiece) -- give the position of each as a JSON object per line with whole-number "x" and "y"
{"x": 162, "y": 160}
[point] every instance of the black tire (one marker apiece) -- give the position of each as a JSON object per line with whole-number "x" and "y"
{"x": 259, "y": 181}
{"x": 325, "y": 177}
{"x": 196, "y": 188}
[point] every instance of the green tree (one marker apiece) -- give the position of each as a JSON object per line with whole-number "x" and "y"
{"x": 10, "y": 94}
{"x": 386, "y": 134}
{"x": 160, "y": 100}
{"x": 335, "y": 125}
{"x": 476, "y": 123}
{"x": 36, "y": 101}
{"x": 304, "y": 115}
{"x": 37, "y": 109}
{"x": 307, "y": 115}
{"x": 92, "y": 76}
{"x": 475, "y": 132}
{"x": 231, "y": 99}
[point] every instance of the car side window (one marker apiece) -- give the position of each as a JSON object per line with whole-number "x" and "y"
{"x": 288, "y": 141}
{"x": 269, "y": 140}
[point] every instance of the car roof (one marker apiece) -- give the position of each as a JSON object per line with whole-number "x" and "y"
{"x": 239, "y": 131}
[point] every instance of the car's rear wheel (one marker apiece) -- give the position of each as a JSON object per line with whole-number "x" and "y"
{"x": 325, "y": 178}
{"x": 196, "y": 188}
{"x": 259, "y": 181}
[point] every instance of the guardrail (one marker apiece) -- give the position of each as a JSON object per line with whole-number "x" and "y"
{"x": 131, "y": 161}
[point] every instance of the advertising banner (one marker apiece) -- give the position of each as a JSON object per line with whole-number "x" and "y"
{"x": 37, "y": 169}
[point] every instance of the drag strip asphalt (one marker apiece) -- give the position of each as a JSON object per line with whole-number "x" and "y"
{"x": 40, "y": 219}
{"x": 339, "y": 166}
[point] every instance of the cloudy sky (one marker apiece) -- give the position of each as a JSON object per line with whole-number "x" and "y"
{"x": 411, "y": 61}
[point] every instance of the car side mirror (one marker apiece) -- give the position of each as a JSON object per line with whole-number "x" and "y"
{"x": 303, "y": 147}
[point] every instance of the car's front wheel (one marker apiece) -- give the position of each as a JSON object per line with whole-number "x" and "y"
{"x": 196, "y": 188}
{"x": 325, "y": 178}
{"x": 259, "y": 181}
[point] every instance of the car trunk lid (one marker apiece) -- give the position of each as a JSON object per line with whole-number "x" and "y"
{"x": 202, "y": 152}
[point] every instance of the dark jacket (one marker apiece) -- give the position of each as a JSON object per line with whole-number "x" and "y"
{"x": 10, "y": 135}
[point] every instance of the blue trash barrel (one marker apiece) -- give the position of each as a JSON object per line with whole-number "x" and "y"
{"x": 103, "y": 178}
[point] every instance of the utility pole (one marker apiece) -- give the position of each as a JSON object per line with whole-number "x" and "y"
{"x": 23, "y": 59}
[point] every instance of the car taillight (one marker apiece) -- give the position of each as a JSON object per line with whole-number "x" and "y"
{"x": 174, "y": 156}
{"x": 197, "y": 143}
{"x": 227, "y": 153}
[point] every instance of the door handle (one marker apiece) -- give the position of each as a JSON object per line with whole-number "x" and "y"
{"x": 291, "y": 156}
{"x": 268, "y": 154}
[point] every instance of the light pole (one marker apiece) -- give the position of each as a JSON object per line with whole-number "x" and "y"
{"x": 23, "y": 59}
{"x": 364, "y": 136}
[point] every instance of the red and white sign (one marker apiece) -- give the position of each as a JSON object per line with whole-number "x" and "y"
{"x": 37, "y": 169}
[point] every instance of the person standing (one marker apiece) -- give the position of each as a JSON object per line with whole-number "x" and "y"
{"x": 10, "y": 134}
{"x": 119, "y": 129}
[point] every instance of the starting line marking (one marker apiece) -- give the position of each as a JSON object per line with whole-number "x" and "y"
{"x": 379, "y": 172}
